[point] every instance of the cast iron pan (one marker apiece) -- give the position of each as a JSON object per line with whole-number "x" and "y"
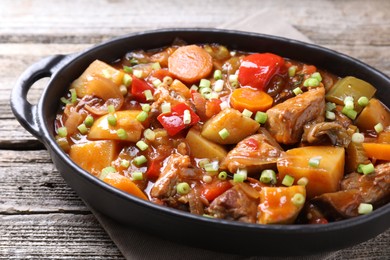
{"x": 197, "y": 231}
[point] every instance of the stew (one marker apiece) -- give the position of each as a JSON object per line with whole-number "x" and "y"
{"x": 251, "y": 137}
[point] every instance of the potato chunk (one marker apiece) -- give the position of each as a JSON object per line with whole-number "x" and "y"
{"x": 237, "y": 125}
{"x": 200, "y": 147}
{"x": 323, "y": 178}
{"x": 280, "y": 205}
{"x": 96, "y": 69}
{"x": 126, "y": 120}
{"x": 93, "y": 156}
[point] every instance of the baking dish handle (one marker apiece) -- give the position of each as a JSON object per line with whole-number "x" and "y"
{"x": 24, "y": 111}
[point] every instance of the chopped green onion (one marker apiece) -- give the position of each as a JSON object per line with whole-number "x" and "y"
{"x": 316, "y": 75}
{"x": 73, "y": 95}
{"x": 64, "y": 100}
{"x": 349, "y": 105}
{"x": 238, "y": 178}
{"x": 156, "y": 66}
{"x": 134, "y": 61}
{"x": 183, "y": 188}
{"x": 217, "y": 74}
{"x": 247, "y": 113}
{"x": 121, "y": 133}
{"x": 165, "y": 107}
{"x": 224, "y": 133}
{"x": 125, "y": 163}
{"x": 298, "y": 199}
{"x": 365, "y": 208}
{"x": 330, "y": 115}
{"x": 330, "y": 106}
{"x": 83, "y": 129}
{"x": 139, "y": 160}
{"x": 111, "y": 120}
{"x": 145, "y": 107}
{"x": 218, "y": 85}
{"x": 123, "y": 89}
{"x": 148, "y": 95}
{"x": 211, "y": 167}
{"x": 137, "y": 176}
{"x": 349, "y": 113}
{"x": 105, "y": 171}
{"x": 138, "y": 73}
{"x": 292, "y": 70}
{"x": 187, "y": 117}
{"x": 194, "y": 88}
{"x": 203, "y": 162}
{"x": 268, "y": 176}
{"x": 205, "y": 91}
{"x": 89, "y": 120}
{"x": 127, "y": 79}
{"x": 111, "y": 109}
{"x": 297, "y": 91}
{"x": 363, "y": 101}
{"x": 106, "y": 74}
{"x": 261, "y": 117}
{"x": 167, "y": 80}
{"x": 378, "y": 128}
{"x": 142, "y": 145}
{"x": 156, "y": 82}
{"x": 358, "y": 138}
{"x": 62, "y": 131}
{"x": 207, "y": 178}
{"x": 240, "y": 174}
{"x": 315, "y": 161}
{"x": 366, "y": 168}
{"x": 311, "y": 82}
{"x": 348, "y": 99}
{"x": 222, "y": 175}
{"x": 288, "y": 180}
{"x": 142, "y": 116}
{"x": 149, "y": 134}
{"x": 127, "y": 69}
{"x": 233, "y": 78}
{"x": 303, "y": 181}
{"x": 204, "y": 83}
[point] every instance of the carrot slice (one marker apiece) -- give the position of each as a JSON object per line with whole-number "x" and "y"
{"x": 124, "y": 184}
{"x": 251, "y": 99}
{"x": 378, "y": 151}
{"x": 190, "y": 63}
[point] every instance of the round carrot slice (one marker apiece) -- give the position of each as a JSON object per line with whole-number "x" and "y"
{"x": 251, "y": 99}
{"x": 190, "y": 63}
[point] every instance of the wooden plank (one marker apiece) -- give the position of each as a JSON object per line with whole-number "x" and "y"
{"x": 31, "y": 184}
{"x": 53, "y": 236}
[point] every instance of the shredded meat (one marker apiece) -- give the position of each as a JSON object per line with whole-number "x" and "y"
{"x": 234, "y": 204}
{"x": 286, "y": 120}
{"x": 254, "y": 153}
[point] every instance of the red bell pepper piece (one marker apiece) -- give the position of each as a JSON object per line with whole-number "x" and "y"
{"x": 173, "y": 122}
{"x": 154, "y": 169}
{"x": 256, "y": 70}
{"x": 214, "y": 189}
{"x": 138, "y": 86}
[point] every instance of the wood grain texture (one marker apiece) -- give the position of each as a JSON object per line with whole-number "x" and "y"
{"x": 40, "y": 216}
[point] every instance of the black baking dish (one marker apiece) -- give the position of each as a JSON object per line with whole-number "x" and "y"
{"x": 197, "y": 231}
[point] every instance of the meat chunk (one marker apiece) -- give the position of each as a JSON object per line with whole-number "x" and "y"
{"x": 254, "y": 153}
{"x": 165, "y": 184}
{"x": 325, "y": 132}
{"x": 234, "y": 204}
{"x": 373, "y": 188}
{"x": 286, "y": 120}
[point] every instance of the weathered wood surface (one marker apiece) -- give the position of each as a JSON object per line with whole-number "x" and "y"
{"x": 40, "y": 216}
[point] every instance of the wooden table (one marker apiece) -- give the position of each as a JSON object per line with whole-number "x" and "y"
{"x": 40, "y": 216}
